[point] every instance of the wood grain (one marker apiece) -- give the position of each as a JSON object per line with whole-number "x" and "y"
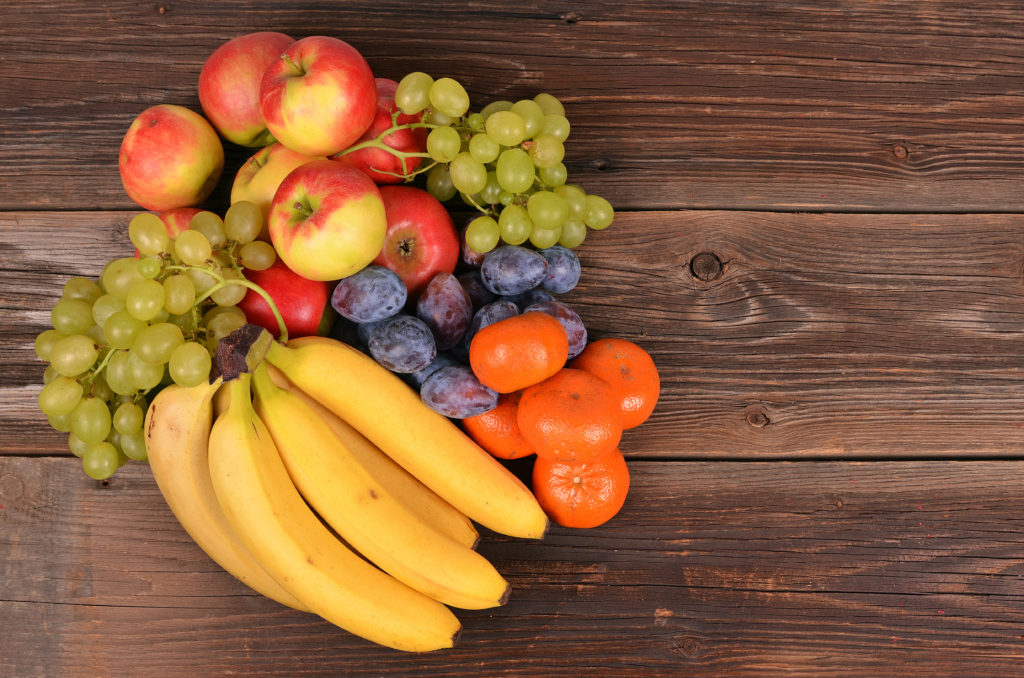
{"x": 888, "y": 106}
{"x": 839, "y": 335}
{"x": 711, "y": 569}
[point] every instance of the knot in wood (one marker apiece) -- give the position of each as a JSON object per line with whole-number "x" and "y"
{"x": 900, "y": 151}
{"x": 706, "y": 266}
{"x": 758, "y": 418}
{"x": 686, "y": 646}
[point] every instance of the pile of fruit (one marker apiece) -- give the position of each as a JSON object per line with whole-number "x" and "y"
{"x": 325, "y": 379}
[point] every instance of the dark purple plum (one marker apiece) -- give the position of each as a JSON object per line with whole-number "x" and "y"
{"x": 570, "y": 320}
{"x": 528, "y": 298}
{"x": 563, "y": 269}
{"x": 417, "y": 378}
{"x": 512, "y": 269}
{"x": 455, "y": 392}
{"x": 374, "y": 293}
{"x": 474, "y": 286}
{"x": 402, "y": 344}
{"x": 490, "y": 314}
{"x": 446, "y": 309}
{"x": 346, "y": 331}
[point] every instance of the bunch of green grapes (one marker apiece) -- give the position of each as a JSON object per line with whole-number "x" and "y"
{"x": 146, "y": 322}
{"x": 505, "y": 160}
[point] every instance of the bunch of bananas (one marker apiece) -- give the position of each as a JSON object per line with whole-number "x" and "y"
{"x": 323, "y": 482}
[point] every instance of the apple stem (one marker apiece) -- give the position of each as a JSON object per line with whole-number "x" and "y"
{"x": 294, "y": 66}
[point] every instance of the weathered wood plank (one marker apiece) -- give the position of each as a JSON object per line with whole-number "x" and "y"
{"x": 855, "y": 106}
{"x": 712, "y": 568}
{"x": 822, "y": 335}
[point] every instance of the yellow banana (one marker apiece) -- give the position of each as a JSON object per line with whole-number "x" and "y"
{"x": 365, "y": 513}
{"x": 177, "y": 430}
{"x": 295, "y": 548}
{"x": 418, "y": 497}
{"x": 387, "y": 411}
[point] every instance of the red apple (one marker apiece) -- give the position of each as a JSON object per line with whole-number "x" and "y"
{"x": 177, "y": 220}
{"x": 257, "y": 180}
{"x": 381, "y": 166}
{"x": 421, "y": 239}
{"x": 327, "y": 220}
{"x": 319, "y": 97}
{"x": 170, "y": 157}
{"x": 304, "y": 304}
{"x": 229, "y": 86}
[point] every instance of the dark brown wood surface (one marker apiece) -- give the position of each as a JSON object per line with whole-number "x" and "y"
{"x": 820, "y": 240}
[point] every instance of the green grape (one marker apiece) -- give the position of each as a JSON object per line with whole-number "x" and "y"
{"x": 144, "y": 374}
{"x": 90, "y": 420}
{"x": 439, "y": 183}
{"x": 243, "y": 222}
{"x": 514, "y": 224}
{"x": 549, "y": 104}
{"x": 547, "y": 210}
{"x": 45, "y": 341}
{"x": 150, "y": 268}
{"x": 546, "y": 151}
{"x": 210, "y": 225}
{"x": 436, "y": 117}
{"x": 149, "y": 234}
{"x": 98, "y": 387}
{"x": 121, "y": 329}
{"x": 468, "y": 175}
{"x": 190, "y": 364}
{"x": 179, "y": 294}
{"x": 145, "y": 299}
{"x": 413, "y": 92}
{"x": 543, "y": 238}
{"x": 557, "y": 126}
{"x": 73, "y": 355}
{"x": 505, "y": 198}
{"x": 506, "y": 127}
{"x": 494, "y": 107}
{"x": 104, "y": 307}
{"x": 443, "y": 144}
{"x": 186, "y": 321}
{"x": 221, "y": 321}
{"x": 82, "y": 288}
{"x": 76, "y": 444}
{"x": 599, "y": 214}
{"x": 573, "y": 234}
{"x": 553, "y": 176}
{"x": 449, "y": 97}
{"x": 60, "y": 422}
{"x": 257, "y": 255}
{"x": 156, "y": 343}
{"x": 128, "y": 418}
{"x": 575, "y": 199}
{"x": 120, "y": 275}
{"x": 118, "y": 374}
{"x": 475, "y": 121}
{"x": 532, "y": 115}
{"x": 96, "y": 334}
{"x": 482, "y": 234}
{"x": 60, "y": 397}
{"x": 201, "y": 280}
{"x": 100, "y": 461}
{"x": 491, "y": 191}
{"x": 71, "y": 316}
{"x": 192, "y": 248}
{"x": 230, "y": 294}
{"x": 134, "y": 446}
{"x": 49, "y": 374}
{"x": 514, "y": 170}
{"x": 483, "y": 148}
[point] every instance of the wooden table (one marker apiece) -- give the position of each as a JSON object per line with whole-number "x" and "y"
{"x": 820, "y": 239}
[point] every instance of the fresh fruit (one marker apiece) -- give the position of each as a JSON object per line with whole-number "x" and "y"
{"x": 384, "y": 409}
{"x": 327, "y": 220}
{"x": 402, "y": 344}
{"x": 563, "y": 270}
{"x": 421, "y": 240}
{"x": 303, "y": 303}
{"x": 571, "y": 322}
{"x": 582, "y": 493}
{"x": 488, "y": 315}
{"x": 573, "y": 416}
{"x": 517, "y": 352}
{"x": 177, "y": 430}
{"x": 275, "y": 524}
{"x": 170, "y": 157}
{"x": 178, "y": 219}
{"x": 319, "y": 96}
{"x": 455, "y": 392}
{"x": 334, "y": 482}
{"x": 229, "y": 86}
{"x": 629, "y": 370}
{"x": 369, "y": 295}
{"x": 497, "y": 430}
{"x": 512, "y": 269}
{"x": 446, "y": 309}
{"x": 259, "y": 177}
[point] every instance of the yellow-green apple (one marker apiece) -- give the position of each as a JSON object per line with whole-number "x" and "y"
{"x": 421, "y": 240}
{"x": 258, "y": 178}
{"x": 304, "y": 304}
{"x": 380, "y": 165}
{"x": 170, "y": 157}
{"x": 319, "y": 97}
{"x": 327, "y": 220}
{"x": 229, "y": 86}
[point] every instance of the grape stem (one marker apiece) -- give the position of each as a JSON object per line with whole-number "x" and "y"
{"x": 99, "y": 368}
